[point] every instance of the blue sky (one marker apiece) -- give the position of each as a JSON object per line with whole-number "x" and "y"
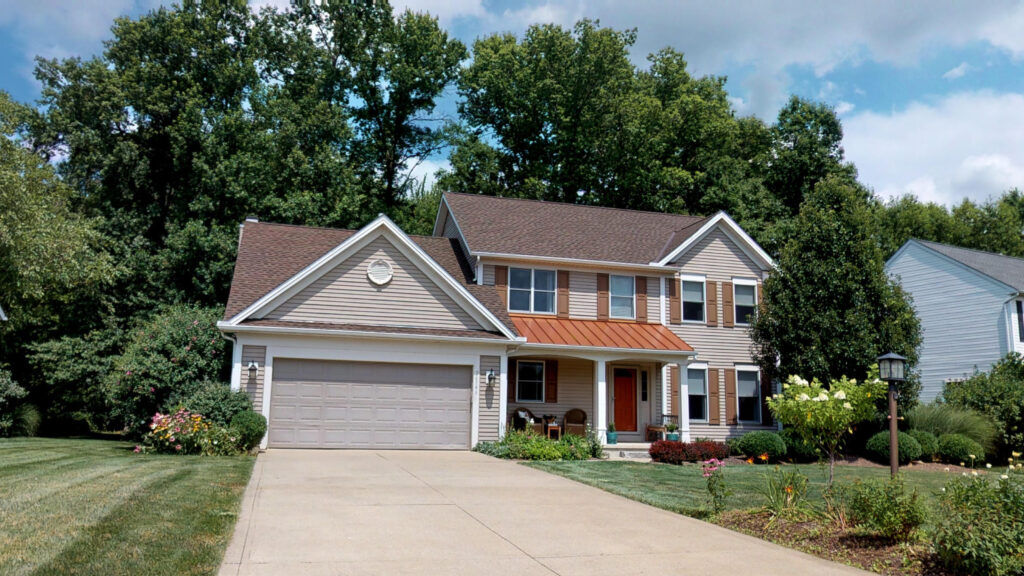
{"x": 931, "y": 94}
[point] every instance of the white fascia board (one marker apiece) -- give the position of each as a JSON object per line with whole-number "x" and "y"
{"x": 750, "y": 247}
{"x": 652, "y": 267}
{"x": 298, "y": 331}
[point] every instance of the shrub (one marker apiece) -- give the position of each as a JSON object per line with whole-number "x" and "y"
{"x": 959, "y": 449}
{"x": 249, "y": 427}
{"x": 886, "y": 507}
{"x": 981, "y": 526}
{"x": 216, "y": 402}
{"x": 878, "y": 447}
{"x": 762, "y": 445}
{"x": 797, "y": 449}
{"x": 670, "y": 452}
{"x": 26, "y": 420}
{"x": 998, "y": 394}
{"x": 717, "y": 489}
{"x": 929, "y": 443}
{"x": 528, "y": 445}
{"x": 942, "y": 419}
{"x": 785, "y": 491}
{"x": 186, "y": 433}
{"x": 11, "y": 396}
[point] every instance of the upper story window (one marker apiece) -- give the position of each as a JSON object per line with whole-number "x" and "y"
{"x": 748, "y": 395}
{"x": 745, "y": 300}
{"x": 622, "y": 293}
{"x": 693, "y": 300}
{"x": 531, "y": 290}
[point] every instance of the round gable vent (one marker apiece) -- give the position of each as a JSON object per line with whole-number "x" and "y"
{"x": 379, "y": 272}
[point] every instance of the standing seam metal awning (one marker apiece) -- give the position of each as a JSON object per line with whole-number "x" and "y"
{"x": 598, "y": 334}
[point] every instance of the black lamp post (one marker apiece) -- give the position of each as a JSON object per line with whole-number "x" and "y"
{"x": 891, "y": 369}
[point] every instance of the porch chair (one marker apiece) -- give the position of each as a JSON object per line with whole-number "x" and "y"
{"x": 575, "y": 422}
{"x": 520, "y": 417}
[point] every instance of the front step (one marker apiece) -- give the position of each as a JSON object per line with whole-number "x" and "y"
{"x": 628, "y": 450}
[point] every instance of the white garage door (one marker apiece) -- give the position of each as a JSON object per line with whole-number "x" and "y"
{"x": 326, "y": 404}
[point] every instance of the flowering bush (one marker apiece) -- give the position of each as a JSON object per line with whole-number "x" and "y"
{"x": 824, "y": 416}
{"x": 186, "y": 433}
{"x": 717, "y": 490}
{"x": 785, "y": 491}
{"x": 671, "y": 452}
{"x": 754, "y": 445}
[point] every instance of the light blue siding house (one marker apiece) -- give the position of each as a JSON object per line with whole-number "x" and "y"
{"x": 971, "y": 307}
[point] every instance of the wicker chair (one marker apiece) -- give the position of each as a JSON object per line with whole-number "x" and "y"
{"x": 575, "y": 422}
{"x": 521, "y": 417}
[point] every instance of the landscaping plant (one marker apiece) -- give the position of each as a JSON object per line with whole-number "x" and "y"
{"x": 940, "y": 419}
{"x": 10, "y": 397}
{"x": 908, "y": 448}
{"x": 670, "y": 452}
{"x": 959, "y": 449}
{"x": 886, "y": 507}
{"x": 785, "y": 491}
{"x": 186, "y": 433}
{"x": 717, "y": 490}
{"x": 797, "y": 449}
{"x": 823, "y": 417}
{"x": 999, "y": 394}
{"x": 217, "y": 402}
{"x": 249, "y": 428}
{"x": 929, "y": 444}
{"x": 762, "y": 446}
{"x": 529, "y": 445}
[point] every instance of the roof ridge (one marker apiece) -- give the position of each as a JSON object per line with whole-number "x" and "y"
{"x": 975, "y": 250}
{"x": 556, "y": 202}
{"x": 332, "y": 229}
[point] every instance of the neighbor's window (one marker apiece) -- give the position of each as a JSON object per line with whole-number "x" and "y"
{"x": 530, "y": 382}
{"x": 745, "y": 298}
{"x": 693, "y": 301}
{"x": 748, "y": 396}
{"x": 697, "y": 381}
{"x": 622, "y": 297}
{"x": 1020, "y": 320}
{"x": 531, "y": 290}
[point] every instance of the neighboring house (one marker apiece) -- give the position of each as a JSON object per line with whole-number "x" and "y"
{"x": 376, "y": 339}
{"x": 970, "y": 304}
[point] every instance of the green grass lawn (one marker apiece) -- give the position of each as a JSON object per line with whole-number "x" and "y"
{"x": 683, "y": 489}
{"x": 83, "y": 506}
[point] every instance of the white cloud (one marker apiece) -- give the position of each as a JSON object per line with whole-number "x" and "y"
{"x": 425, "y": 170}
{"x": 957, "y": 72}
{"x": 843, "y": 107}
{"x": 943, "y": 151}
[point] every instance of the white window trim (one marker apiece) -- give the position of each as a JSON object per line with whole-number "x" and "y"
{"x": 543, "y": 381}
{"x": 707, "y": 391}
{"x": 682, "y": 300}
{"x": 533, "y": 269}
{"x": 760, "y": 393}
{"x": 610, "y": 296}
{"x": 742, "y": 282}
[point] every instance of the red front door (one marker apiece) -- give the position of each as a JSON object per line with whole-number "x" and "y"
{"x": 625, "y": 400}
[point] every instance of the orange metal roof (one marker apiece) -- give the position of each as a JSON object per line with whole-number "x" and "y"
{"x": 598, "y": 333}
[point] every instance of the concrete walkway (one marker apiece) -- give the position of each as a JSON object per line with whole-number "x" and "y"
{"x": 453, "y": 513}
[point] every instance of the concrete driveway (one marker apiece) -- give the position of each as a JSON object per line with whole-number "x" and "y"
{"x": 431, "y": 513}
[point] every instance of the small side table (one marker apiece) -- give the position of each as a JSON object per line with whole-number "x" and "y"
{"x": 557, "y": 429}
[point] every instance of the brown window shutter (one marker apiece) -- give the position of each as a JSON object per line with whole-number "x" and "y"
{"x": 563, "y": 293}
{"x": 730, "y": 396}
{"x": 714, "y": 407}
{"x": 501, "y": 281}
{"x": 727, "y": 308}
{"x": 512, "y": 379}
{"x": 675, "y": 305}
{"x": 602, "y": 296}
{"x": 760, "y": 293}
{"x": 641, "y": 299}
{"x": 712, "y": 303}
{"x": 550, "y": 381}
{"x": 766, "y": 393}
{"x": 673, "y": 390}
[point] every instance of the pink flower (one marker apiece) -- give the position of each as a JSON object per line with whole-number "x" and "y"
{"x": 177, "y": 447}
{"x": 152, "y": 390}
{"x": 172, "y": 440}
{"x": 137, "y": 449}
{"x": 128, "y": 373}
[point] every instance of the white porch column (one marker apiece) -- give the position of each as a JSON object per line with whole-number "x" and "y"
{"x": 236, "y": 366}
{"x": 684, "y": 402}
{"x": 600, "y": 400}
{"x": 503, "y": 385}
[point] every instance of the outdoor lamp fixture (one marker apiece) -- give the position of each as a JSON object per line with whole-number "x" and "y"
{"x": 490, "y": 377}
{"x": 253, "y": 368}
{"x": 892, "y": 368}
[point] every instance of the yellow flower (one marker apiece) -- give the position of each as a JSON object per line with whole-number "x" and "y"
{"x": 1016, "y": 454}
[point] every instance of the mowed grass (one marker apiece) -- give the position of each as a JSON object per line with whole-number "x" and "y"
{"x": 84, "y": 506}
{"x": 683, "y": 489}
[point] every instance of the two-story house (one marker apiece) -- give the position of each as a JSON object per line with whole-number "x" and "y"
{"x": 373, "y": 338}
{"x": 970, "y": 304}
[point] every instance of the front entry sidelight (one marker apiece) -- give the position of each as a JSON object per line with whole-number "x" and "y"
{"x": 625, "y": 400}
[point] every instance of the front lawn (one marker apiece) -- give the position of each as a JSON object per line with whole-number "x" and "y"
{"x": 86, "y": 506}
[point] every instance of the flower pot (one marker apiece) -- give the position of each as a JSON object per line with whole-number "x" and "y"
{"x": 613, "y": 437}
{"x": 673, "y": 436}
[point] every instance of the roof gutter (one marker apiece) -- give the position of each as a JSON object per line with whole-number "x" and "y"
{"x": 527, "y": 346}
{"x": 293, "y": 331}
{"x": 653, "y": 267}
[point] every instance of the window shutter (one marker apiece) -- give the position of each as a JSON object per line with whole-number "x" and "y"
{"x": 602, "y": 296}
{"x": 730, "y": 396}
{"x": 675, "y": 306}
{"x": 712, "y": 303}
{"x": 714, "y": 407}
{"x": 501, "y": 281}
{"x": 563, "y": 294}
{"x": 766, "y": 393}
{"x": 673, "y": 391}
{"x": 760, "y": 293}
{"x": 550, "y": 381}
{"x": 513, "y": 380}
{"x": 641, "y": 299}
{"x": 727, "y": 308}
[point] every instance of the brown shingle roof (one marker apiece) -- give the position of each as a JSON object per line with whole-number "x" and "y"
{"x": 559, "y": 230}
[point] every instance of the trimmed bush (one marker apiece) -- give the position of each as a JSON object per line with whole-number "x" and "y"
{"x": 929, "y": 444}
{"x": 217, "y": 402}
{"x": 942, "y": 419}
{"x": 249, "y": 428}
{"x": 878, "y": 447}
{"x": 981, "y": 526}
{"x": 797, "y": 449}
{"x": 528, "y": 445}
{"x": 762, "y": 446}
{"x": 669, "y": 452}
{"x": 886, "y": 507}
{"x": 959, "y": 449}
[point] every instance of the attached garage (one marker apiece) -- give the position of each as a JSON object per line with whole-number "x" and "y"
{"x": 335, "y": 404}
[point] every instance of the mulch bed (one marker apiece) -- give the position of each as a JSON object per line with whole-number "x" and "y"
{"x": 825, "y": 540}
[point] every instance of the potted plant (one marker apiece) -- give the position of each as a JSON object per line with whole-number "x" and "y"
{"x": 613, "y": 436}
{"x": 671, "y": 433}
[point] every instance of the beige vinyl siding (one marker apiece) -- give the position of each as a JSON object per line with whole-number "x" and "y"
{"x": 490, "y": 399}
{"x": 653, "y": 300}
{"x": 345, "y": 295}
{"x": 575, "y": 390}
{"x": 583, "y": 295}
{"x": 489, "y": 274}
{"x": 254, "y": 386}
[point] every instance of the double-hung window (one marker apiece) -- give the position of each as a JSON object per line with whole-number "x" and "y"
{"x": 748, "y": 395}
{"x": 529, "y": 381}
{"x": 1020, "y": 320}
{"x": 745, "y": 301}
{"x": 693, "y": 300}
{"x": 531, "y": 290}
{"x": 622, "y": 292}
{"x": 697, "y": 384}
